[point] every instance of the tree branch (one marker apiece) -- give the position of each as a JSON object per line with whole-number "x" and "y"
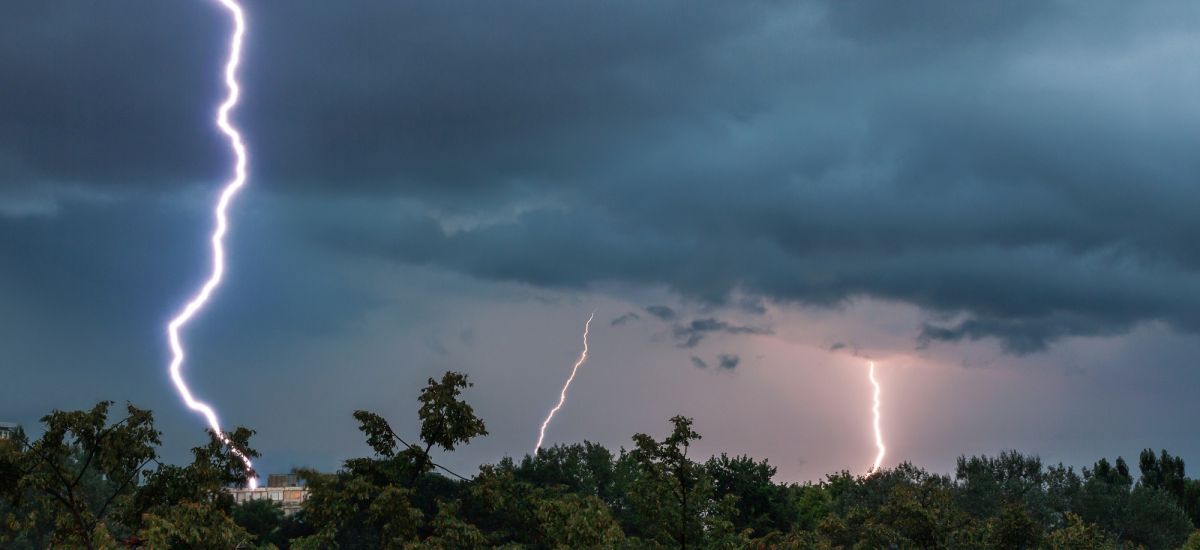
{"x": 92, "y": 452}
{"x": 113, "y": 496}
{"x": 425, "y": 452}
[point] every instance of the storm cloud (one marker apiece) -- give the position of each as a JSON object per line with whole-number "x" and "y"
{"x": 664, "y": 313}
{"x": 624, "y": 318}
{"x": 688, "y": 335}
{"x": 1027, "y": 172}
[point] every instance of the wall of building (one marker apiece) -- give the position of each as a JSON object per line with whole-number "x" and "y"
{"x": 290, "y": 499}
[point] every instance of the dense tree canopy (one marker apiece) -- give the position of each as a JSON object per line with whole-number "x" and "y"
{"x": 91, "y": 482}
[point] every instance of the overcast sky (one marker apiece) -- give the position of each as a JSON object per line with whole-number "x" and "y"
{"x": 996, "y": 202}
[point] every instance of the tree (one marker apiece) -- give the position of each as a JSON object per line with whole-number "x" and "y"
{"x": 586, "y": 469}
{"x": 88, "y": 480}
{"x": 95, "y": 482}
{"x": 810, "y": 503}
{"x": 1166, "y": 473}
{"x": 80, "y": 470}
{"x": 446, "y": 421}
{"x": 189, "y": 505}
{"x": 575, "y": 521}
{"x": 759, "y": 504}
{"x": 904, "y": 506}
{"x": 669, "y": 493}
{"x": 504, "y": 505}
{"x": 1079, "y": 535}
{"x": 1155, "y": 520}
{"x": 1104, "y": 497}
{"x": 390, "y": 500}
{"x": 450, "y": 531}
{"x": 987, "y": 485}
{"x": 263, "y": 519}
{"x": 1193, "y": 541}
{"x": 1014, "y": 528}
{"x": 191, "y": 525}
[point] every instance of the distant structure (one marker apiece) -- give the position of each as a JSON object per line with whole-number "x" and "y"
{"x": 282, "y": 489}
{"x": 8, "y": 430}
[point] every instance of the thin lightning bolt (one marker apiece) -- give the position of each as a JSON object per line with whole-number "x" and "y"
{"x": 562, "y": 396}
{"x": 218, "y": 235}
{"x": 878, "y": 433}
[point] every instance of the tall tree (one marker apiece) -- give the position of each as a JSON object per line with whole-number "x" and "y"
{"x": 670, "y": 494}
{"x": 90, "y": 479}
{"x": 759, "y": 503}
{"x": 81, "y": 470}
{"x": 389, "y": 501}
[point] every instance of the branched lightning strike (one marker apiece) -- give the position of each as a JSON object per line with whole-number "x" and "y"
{"x": 562, "y": 396}
{"x": 878, "y": 432}
{"x": 218, "y": 235}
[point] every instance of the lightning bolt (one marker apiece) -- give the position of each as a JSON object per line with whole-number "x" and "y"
{"x": 878, "y": 432}
{"x": 562, "y": 396}
{"x": 218, "y": 235}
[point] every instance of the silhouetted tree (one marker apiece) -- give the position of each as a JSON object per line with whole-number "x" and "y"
{"x": 378, "y": 502}
{"x": 92, "y": 483}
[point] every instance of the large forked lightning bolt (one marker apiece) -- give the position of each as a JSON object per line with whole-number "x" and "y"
{"x": 562, "y": 396}
{"x": 878, "y": 433}
{"x": 218, "y": 235}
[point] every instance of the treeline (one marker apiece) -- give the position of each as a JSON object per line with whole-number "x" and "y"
{"x": 95, "y": 482}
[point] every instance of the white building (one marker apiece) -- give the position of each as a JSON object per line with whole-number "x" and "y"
{"x": 282, "y": 489}
{"x": 8, "y": 430}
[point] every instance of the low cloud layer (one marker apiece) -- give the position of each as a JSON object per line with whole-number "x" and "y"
{"x": 624, "y": 318}
{"x": 688, "y": 335}
{"x": 663, "y": 313}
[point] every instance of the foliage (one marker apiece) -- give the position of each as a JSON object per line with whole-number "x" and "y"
{"x": 392, "y": 500}
{"x": 1079, "y": 535}
{"x": 262, "y": 519}
{"x": 89, "y": 482}
{"x": 191, "y": 525}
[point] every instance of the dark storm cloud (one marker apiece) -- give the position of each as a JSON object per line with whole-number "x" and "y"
{"x": 108, "y": 94}
{"x": 378, "y": 99}
{"x": 728, "y": 361}
{"x": 625, "y": 318}
{"x": 662, "y": 312}
{"x": 1029, "y": 170}
{"x": 687, "y": 335}
{"x": 1020, "y": 337}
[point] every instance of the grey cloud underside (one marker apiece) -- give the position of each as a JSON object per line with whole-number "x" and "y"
{"x": 724, "y": 361}
{"x": 688, "y": 335}
{"x": 1028, "y": 171}
{"x": 624, "y": 318}
{"x": 663, "y": 313}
